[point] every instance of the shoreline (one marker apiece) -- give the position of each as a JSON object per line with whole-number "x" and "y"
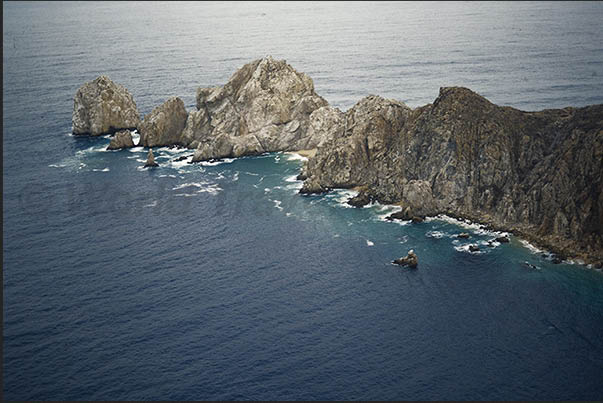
{"x": 555, "y": 250}
{"x": 304, "y": 153}
{"x": 565, "y": 253}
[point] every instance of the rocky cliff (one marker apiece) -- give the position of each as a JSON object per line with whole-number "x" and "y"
{"x": 538, "y": 174}
{"x": 102, "y": 106}
{"x": 265, "y": 106}
{"x": 164, "y": 125}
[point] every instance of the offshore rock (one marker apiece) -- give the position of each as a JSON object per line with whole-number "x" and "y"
{"x": 266, "y": 106}
{"x": 362, "y": 199}
{"x": 164, "y": 125}
{"x": 473, "y": 248}
{"x": 536, "y": 174}
{"x": 103, "y": 107}
{"x": 122, "y": 139}
{"x": 150, "y": 160}
{"x": 411, "y": 260}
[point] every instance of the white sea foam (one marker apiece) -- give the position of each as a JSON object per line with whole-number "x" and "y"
{"x": 476, "y": 228}
{"x": 171, "y": 150}
{"x": 214, "y": 163}
{"x": 388, "y": 209}
{"x": 167, "y": 176}
{"x": 180, "y": 164}
{"x": 277, "y": 204}
{"x": 203, "y": 187}
{"x": 294, "y": 186}
{"x": 266, "y": 190}
{"x": 341, "y": 196}
{"x": 136, "y": 150}
{"x": 292, "y": 156}
{"x": 135, "y": 136}
{"x": 465, "y": 248}
{"x": 531, "y": 247}
{"x": 57, "y": 165}
{"x": 235, "y": 177}
{"x": 101, "y": 170}
{"x": 93, "y": 149}
{"x": 369, "y": 243}
{"x": 213, "y": 189}
{"x": 435, "y": 234}
{"x": 152, "y": 204}
{"x": 404, "y": 239}
{"x": 291, "y": 178}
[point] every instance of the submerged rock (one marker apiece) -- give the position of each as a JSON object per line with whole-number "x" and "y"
{"x": 266, "y": 106}
{"x": 150, "y": 160}
{"x": 122, "y": 139}
{"x": 473, "y": 248}
{"x": 502, "y": 239}
{"x": 463, "y": 235}
{"x": 182, "y": 158}
{"x": 411, "y": 260}
{"x": 103, "y": 107}
{"x": 164, "y": 125}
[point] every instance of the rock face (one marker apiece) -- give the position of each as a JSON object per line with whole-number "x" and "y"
{"x": 411, "y": 260}
{"x": 164, "y": 125}
{"x": 150, "y": 160}
{"x": 537, "y": 174}
{"x": 265, "y": 106}
{"x": 122, "y": 139}
{"x": 102, "y": 106}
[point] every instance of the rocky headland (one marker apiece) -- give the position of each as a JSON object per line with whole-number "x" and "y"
{"x": 535, "y": 174}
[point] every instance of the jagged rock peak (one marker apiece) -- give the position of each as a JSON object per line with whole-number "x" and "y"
{"x": 264, "y": 107}
{"x": 102, "y": 106}
{"x": 150, "y": 160}
{"x": 164, "y": 125}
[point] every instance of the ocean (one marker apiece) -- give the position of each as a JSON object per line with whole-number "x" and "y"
{"x": 218, "y": 280}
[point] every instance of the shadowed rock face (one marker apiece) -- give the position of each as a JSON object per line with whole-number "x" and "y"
{"x": 102, "y": 106}
{"x": 164, "y": 125}
{"x": 265, "y": 106}
{"x": 536, "y": 173}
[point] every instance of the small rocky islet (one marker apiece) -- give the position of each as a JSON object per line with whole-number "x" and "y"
{"x": 537, "y": 175}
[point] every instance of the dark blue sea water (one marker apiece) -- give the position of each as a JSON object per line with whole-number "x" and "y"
{"x": 220, "y": 281}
